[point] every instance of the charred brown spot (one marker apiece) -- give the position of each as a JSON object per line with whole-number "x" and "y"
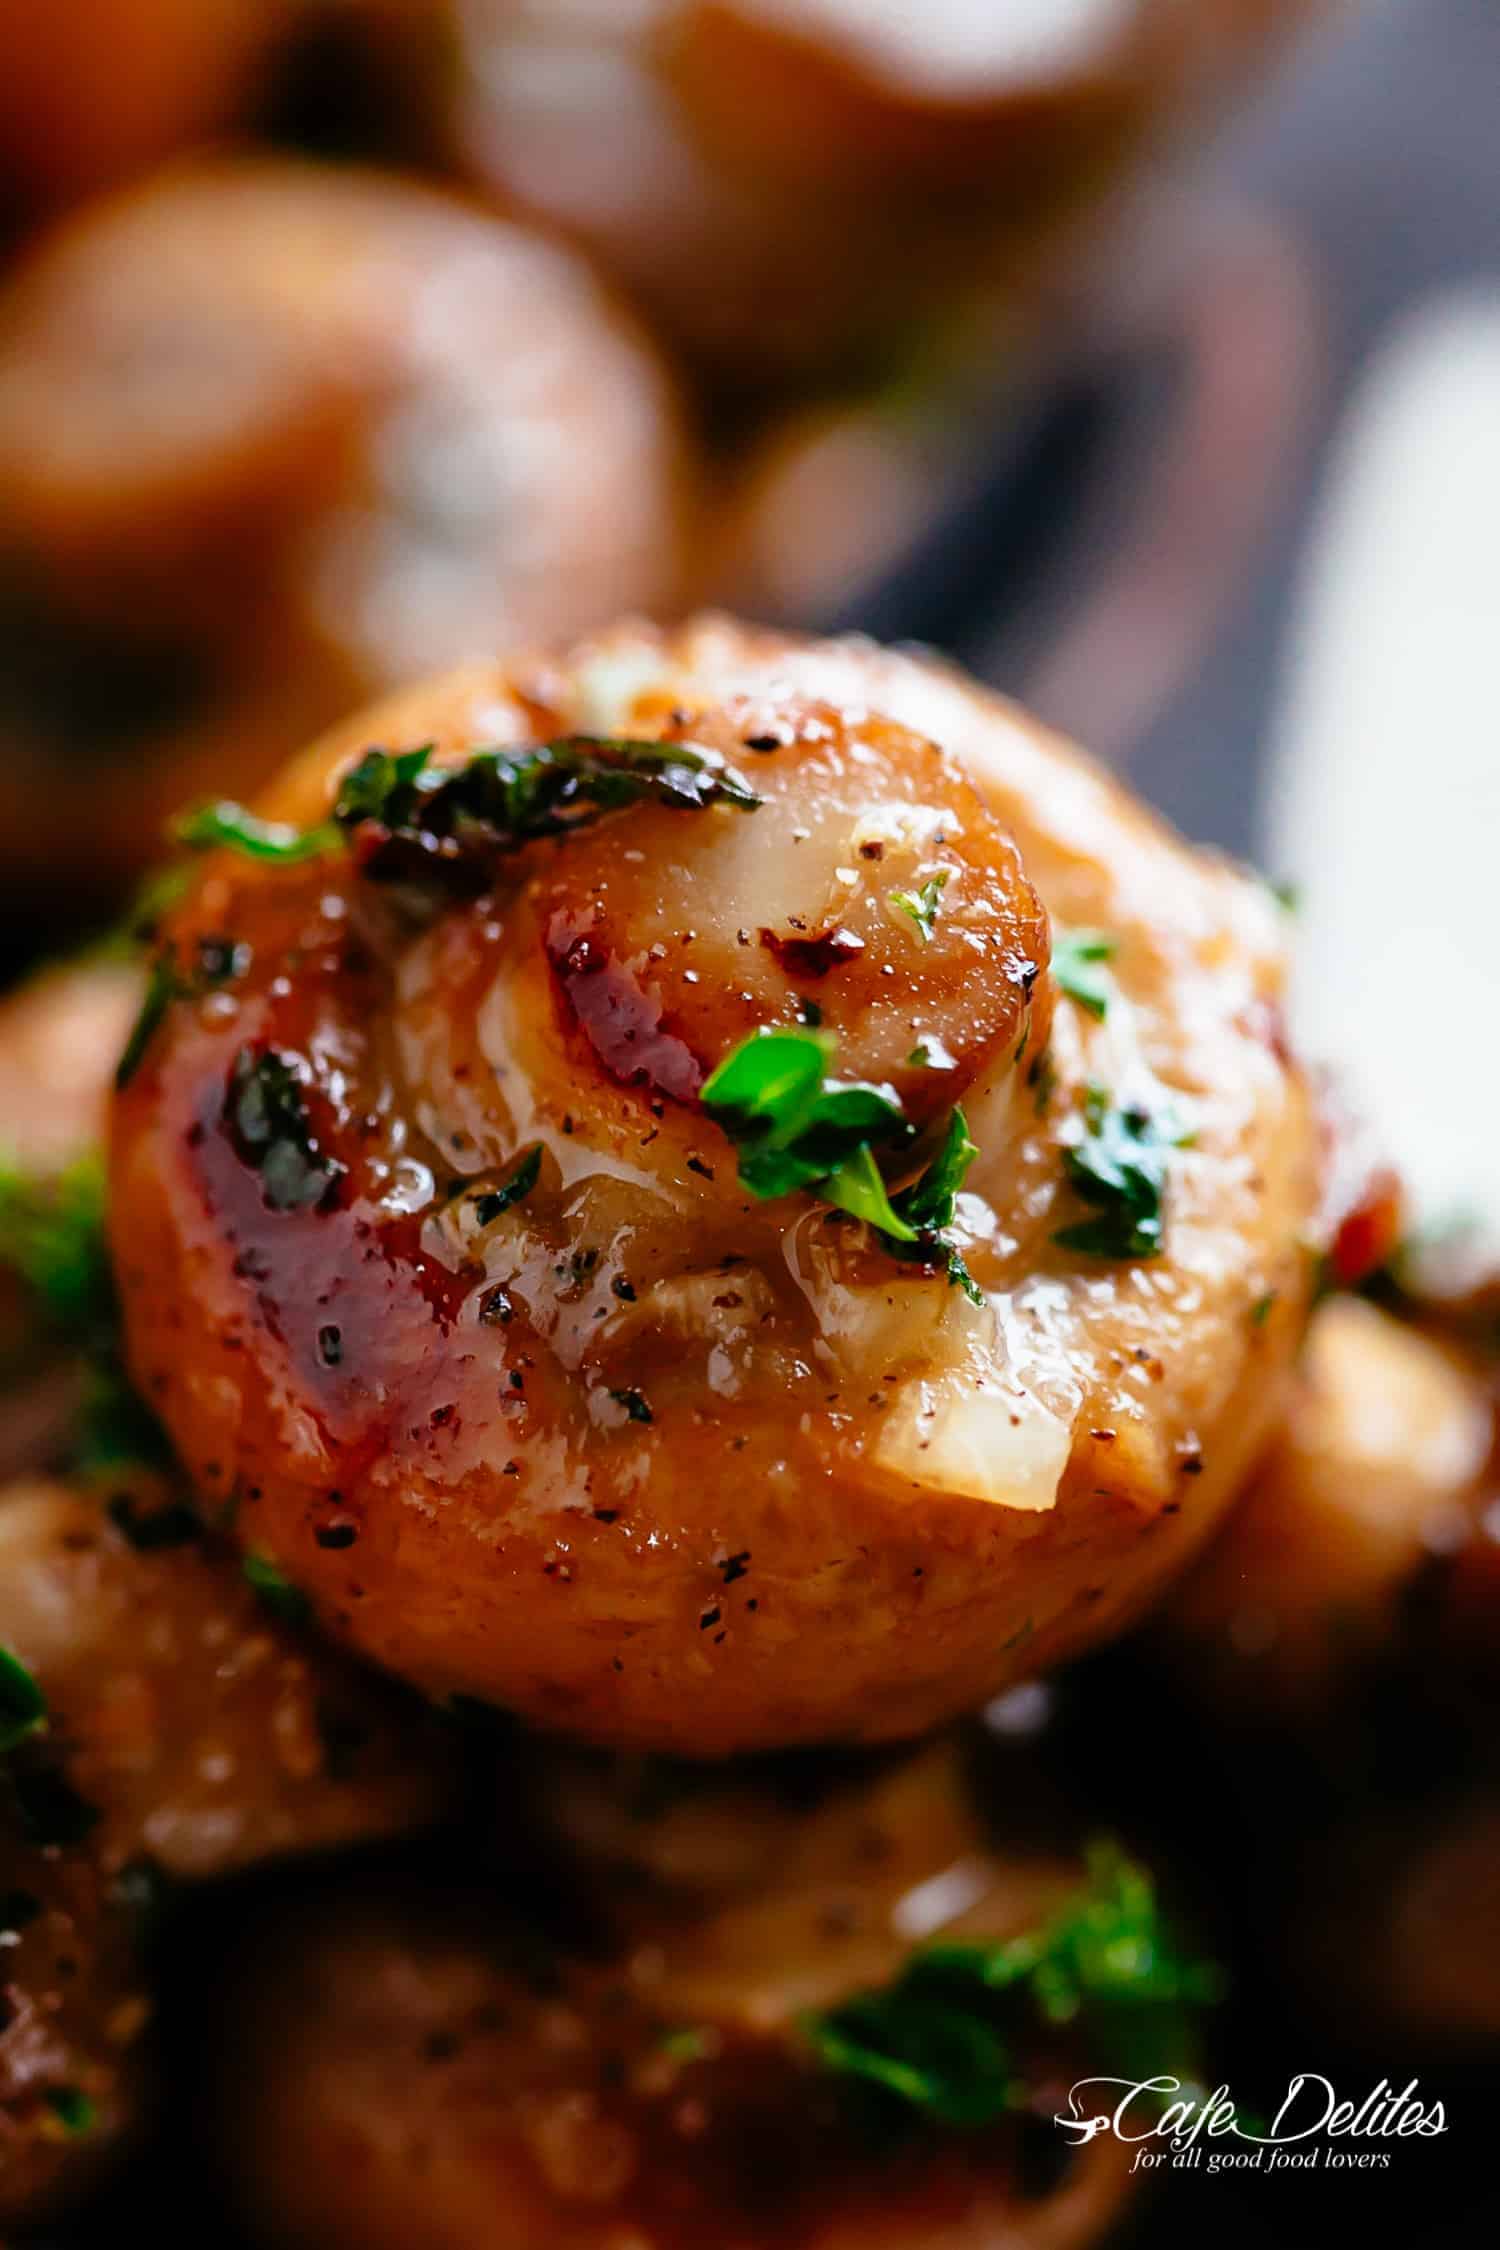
{"x": 813, "y": 956}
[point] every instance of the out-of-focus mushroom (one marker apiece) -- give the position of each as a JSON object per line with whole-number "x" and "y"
{"x": 273, "y": 438}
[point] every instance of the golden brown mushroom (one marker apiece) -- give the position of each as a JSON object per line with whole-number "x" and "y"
{"x": 799, "y": 189}
{"x": 189, "y": 1731}
{"x": 1375, "y": 1480}
{"x": 422, "y": 2065}
{"x": 432, "y": 1229}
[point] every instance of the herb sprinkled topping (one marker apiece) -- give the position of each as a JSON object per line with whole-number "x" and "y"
{"x": 1120, "y": 1167}
{"x": 52, "y": 1238}
{"x": 23, "y": 1707}
{"x": 276, "y": 1591}
{"x": 1076, "y": 955}
{"x": 797, "y": 1128}
{"x": 163, "y": 986}
{"x": 73, "y": 2109}
{"x": 948, "y": 2036}
{"x": 409, "y": 820}
{"x": 921, "y": 906}
{"x": 228, "y": 824}
{"x": 219, "y": 959}
{"x": 517, "y": 1184}
{"x": 266, "y": 1115}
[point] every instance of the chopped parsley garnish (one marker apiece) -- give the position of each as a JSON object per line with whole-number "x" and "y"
{"x": 930, "y": 1204}
{"x": 517, "y": 1184}
{"x": 921, "y": 907}
{"x": 798, "y": 1129}
{"x": 23, "y": 1707}
{"x": 635, "y": 1406}
{"x": 923, "y": 2042}
{"x": 1120, "y": 1167}
{"x": 1076, "y": 955}
{"x": 949, "y": 2036}
{"x": 163, "y": 986}
{"x": 265, "y": 1111}
{"x": 276, "y": 1592}
{"x": 410, "y": 820}
{"x": 219, "y": 958}
{"x": 52, "y": 1239}
{"x": 73, "y": 2109}
{"x": 228, "y": 824}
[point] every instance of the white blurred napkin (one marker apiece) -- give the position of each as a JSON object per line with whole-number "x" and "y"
{"x": 1383, "y": 794}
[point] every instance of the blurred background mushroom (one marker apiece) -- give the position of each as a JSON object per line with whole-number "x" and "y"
{"x": 273, "y": 435}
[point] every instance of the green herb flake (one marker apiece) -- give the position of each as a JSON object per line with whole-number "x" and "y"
{"x": 23, "y": 1707}
{"x": 929, "y": 1206}
{"x": 922, "y": 2046}
{"x": 276, "y": 1592}
{"x": 226, "y": 825}
{"x": 767, "y": 1080}
{"x": 380, "y": 785}
{"x": 410, "y": 820}
{"x": 513, "y": 1189}
{"x": 948, "y": 2036}
{"x": 52, "y": 1238}
{"x": 1076, "y": 955}
{"x": 921, "y": 907}
{"x": 218, "y": 960}
{"x": 685, "y": 2043}
{"x": 413, "y": 820}
{"x": 635, "y": 1406}
{"x": 265, "y": 1112}
{"x": 1119, "y": 1165}
{"x": 163, "y": 986}
{"x": 73, "y": 2109}
{"x": 796, "y": 1129}
{"x": 1260, "y": 1311}
{"x": 856, "y": 1186}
